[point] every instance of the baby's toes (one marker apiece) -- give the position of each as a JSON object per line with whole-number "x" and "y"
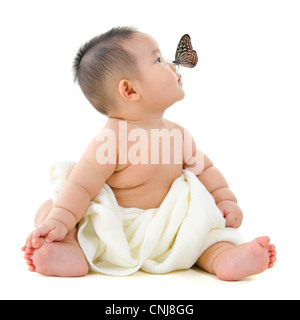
{"x": 29, "y": 250}
{"x": 272, "y": 254}
{"x": 272, "y": 250}
{"x": 31, "y": 268}
{"x": 272, "y": 247}
{"x": 29, "y": 262}
{"x": 28, "y": 255}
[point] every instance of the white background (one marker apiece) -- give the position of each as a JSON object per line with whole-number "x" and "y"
{"x": 242, "y": 106}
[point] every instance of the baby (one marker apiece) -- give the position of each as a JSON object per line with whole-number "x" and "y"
{"x": 142, "y": 196}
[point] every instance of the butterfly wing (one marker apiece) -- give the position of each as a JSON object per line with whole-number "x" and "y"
{"x": 185, "y": 55}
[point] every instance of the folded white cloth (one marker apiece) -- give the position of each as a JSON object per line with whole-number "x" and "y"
{"x": 120, "y": 241}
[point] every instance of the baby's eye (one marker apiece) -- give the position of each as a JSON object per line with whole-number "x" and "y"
{"x": 159, "y": 60}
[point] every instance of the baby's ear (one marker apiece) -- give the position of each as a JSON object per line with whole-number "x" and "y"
{"x": 127, "y": 91}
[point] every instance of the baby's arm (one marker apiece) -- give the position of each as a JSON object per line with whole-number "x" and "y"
{"x": 225, "y": 199}
{"x": 214, "y": 182}
{"x": 84, "y": 183}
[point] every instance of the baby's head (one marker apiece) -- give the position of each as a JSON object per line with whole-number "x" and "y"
{"x": 122, "y": 74}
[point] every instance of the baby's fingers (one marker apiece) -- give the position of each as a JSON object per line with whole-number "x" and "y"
{"x": 57, "y": 234}
{"x": 230, "y": 220}
{"x": 27, "y": 242}
{"x": 38, "y": 236}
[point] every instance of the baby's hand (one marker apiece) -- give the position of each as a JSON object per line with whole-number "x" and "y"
{"x": 50, "y": 230}
{"x": 231, "y": 212}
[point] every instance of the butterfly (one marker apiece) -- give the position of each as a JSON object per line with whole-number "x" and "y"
{"x": 185, "y": 55}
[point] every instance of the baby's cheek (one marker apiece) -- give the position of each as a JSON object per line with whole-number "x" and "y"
{"x": 170, "y": 85}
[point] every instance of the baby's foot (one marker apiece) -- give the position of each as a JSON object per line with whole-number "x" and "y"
{"x": 63, "y": 259}
{"x": 236, "y": 263}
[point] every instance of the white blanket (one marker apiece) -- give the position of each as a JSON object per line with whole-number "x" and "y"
{"x": 120, "y": 241}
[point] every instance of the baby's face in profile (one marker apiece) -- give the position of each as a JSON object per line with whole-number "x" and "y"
{"x": 158, "y": 82}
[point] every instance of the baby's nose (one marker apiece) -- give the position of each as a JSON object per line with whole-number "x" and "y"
{"x": 173, "y": 66}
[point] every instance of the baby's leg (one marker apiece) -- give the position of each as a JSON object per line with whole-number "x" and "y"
{"x": 232, "y": 263}
{"x": 64, "y": 258}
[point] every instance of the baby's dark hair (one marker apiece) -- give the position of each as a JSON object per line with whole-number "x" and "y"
{"x": 100, "y": 62}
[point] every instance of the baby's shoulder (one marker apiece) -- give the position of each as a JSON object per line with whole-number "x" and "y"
{"x": 107, "y": 135}
{"x": 173, "y": 125}
{"x": 185, "y": 133}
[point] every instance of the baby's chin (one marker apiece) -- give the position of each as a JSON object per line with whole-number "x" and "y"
{"x": 181, "y": 95}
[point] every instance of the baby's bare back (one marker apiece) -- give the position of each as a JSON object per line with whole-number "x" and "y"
{"x": 145, "y": 185}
